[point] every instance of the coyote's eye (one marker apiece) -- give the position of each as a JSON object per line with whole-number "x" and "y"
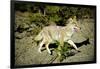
{"x": 75, "y": 29}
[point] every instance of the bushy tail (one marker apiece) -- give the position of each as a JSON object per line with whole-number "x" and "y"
{"x": 38, "y": 37}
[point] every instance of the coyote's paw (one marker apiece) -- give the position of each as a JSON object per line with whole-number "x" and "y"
{"x": 78, "y": 50}
{"x": 49, "y": 52}
{"x": 39, "y": 51}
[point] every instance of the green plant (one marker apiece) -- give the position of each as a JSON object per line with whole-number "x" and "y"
{"x": 62, "y": 51}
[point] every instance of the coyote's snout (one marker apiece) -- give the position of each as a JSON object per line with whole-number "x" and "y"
{"x": 51, "y": 34}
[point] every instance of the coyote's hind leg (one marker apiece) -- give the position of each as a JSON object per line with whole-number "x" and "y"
{"x": 40, "y": 46}
{"x": 47, "y": 47}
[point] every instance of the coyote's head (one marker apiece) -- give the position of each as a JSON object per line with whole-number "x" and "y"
{"x": 74, "y": 24}
{"x": 76, "y": 27}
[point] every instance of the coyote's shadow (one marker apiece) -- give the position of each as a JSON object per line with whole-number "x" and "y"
{"x": 85, "y": 42}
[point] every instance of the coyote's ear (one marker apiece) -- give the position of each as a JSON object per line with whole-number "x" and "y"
{"x": 70, "y": 20}
{"x": 74, "y": 17}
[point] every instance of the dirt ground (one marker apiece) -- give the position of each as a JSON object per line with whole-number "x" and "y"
{"x": 26, "y": 49}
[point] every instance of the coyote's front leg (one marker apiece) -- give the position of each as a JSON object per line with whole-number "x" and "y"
{"x": 72, "y": 43}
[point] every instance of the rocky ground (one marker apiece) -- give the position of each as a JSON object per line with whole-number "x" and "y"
{"x": 26, "y": 49}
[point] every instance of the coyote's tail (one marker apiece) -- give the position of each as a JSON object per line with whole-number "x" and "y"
{"x": 38, "y": 37}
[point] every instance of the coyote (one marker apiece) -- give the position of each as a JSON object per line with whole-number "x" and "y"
{"x": 51, "y": 34}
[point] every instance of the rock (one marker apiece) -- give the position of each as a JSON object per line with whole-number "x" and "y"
{"x": 78, "y": 37}
{"x": 20, "y": 35}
